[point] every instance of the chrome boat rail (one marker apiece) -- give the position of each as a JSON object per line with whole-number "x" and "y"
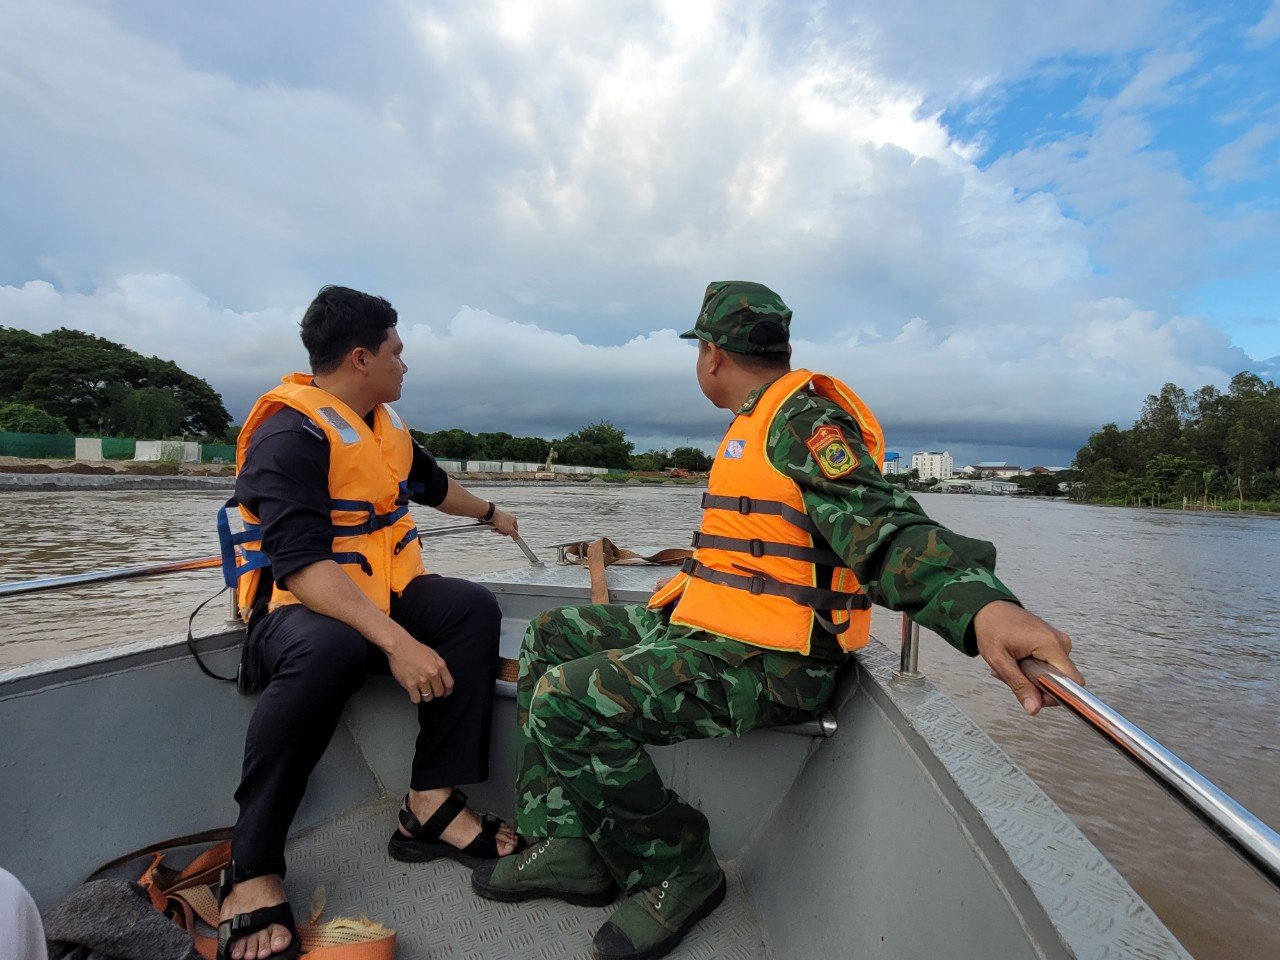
{"x": 1239, "y": 829}
{"x": 202, "y": 563}
{"x": 1235, "y": 826}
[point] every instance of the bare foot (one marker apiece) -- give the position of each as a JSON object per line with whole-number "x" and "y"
{"x": 245, "y": 897}
{"x": 465, "y": 826}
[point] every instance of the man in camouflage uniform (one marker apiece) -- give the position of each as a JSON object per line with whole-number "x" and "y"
{"x": 598, "y": 683}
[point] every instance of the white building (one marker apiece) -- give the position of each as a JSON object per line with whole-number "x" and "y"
{"x": 892, "y": 463}
{"x": 929, "y": 464}
{"x": 997, "y": 487}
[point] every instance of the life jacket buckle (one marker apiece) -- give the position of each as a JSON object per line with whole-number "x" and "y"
{"x": 757, "y": 586}
{"x": 744, "y": 505}
{"x": 688, "y": 565}
{"x": 757, "y": 547}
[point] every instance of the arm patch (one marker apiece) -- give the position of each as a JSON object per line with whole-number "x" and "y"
{"x": 831, "y": 452}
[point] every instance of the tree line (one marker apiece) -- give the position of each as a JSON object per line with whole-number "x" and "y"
{"x": 599, "y": 444}
{"x": 1204, "y": 447}
{"x": 68, "y": 381}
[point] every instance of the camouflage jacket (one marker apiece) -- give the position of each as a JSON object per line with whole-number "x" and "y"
{"x": 903, "y": 559}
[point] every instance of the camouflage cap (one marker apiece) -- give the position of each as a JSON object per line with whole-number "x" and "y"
{"x": 743, "y": 317}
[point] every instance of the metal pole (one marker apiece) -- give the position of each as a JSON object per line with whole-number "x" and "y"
{"x": 1244, "y": 833}
{"x": 107, "y": 576}
{"x": 199, "y": 563}
{"x": 529, "y": 554}
{"x": 909, "y": 660}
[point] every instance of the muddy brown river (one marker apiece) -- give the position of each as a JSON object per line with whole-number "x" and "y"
{"x": 1175, "y": 617}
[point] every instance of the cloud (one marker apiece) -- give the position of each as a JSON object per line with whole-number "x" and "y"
{"x": 1004, "y": 388}
{"x": 544, "y": 190}
{"x": 1243, "y": 158}
{"x": 1267, "y": 30}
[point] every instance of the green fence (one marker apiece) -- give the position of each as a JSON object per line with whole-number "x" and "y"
{"x": 222, "y": 452}
{"x": 40, "y": 446}
{"x": 115, "y": 448}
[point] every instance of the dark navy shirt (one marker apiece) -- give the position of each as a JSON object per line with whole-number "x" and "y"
{"x": 285, "y": 484}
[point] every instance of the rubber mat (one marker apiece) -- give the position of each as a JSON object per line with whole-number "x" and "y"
{"x": 435, "y": 914}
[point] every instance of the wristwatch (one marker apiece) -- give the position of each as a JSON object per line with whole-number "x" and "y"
{"x": 488, "y": 514}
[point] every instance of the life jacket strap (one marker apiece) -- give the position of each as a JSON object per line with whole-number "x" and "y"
{"x": 356, "y": 558}
{"x": 407, "y": 539}
{"x": 376, "y": 521}
{"x": 748, "y": 505}
{"x": 232, "y": 543}
{"x": 757, "y": 582}
{"x": 768, "y": 548}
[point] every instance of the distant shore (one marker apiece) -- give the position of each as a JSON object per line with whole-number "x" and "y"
{"x": 18, "y": 474}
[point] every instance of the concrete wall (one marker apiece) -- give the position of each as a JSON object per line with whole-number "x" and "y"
{"x": 88, "y": 448}
{"x": 183, "y": 451}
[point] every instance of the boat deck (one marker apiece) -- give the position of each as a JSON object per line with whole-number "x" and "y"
{"x": 435, "y": 914}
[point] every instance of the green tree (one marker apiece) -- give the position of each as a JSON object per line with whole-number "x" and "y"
{"x": 150, "y": 413}
{"x": 596, "y": 445}
{"x": 24, "y": 418}
{"x": 70, "y": 374}
{"x": 651, "y": 460}
{"x": 1040, "y": 484}
{"x": 690, "y": 458}
{"x": 20, "y": 351}
{"x": 452, "y": 444}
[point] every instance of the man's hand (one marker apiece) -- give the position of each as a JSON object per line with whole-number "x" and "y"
{"x": 419, "y": 669}
{"x": 504, "y": 523}
{"x": 1006, "y": 633}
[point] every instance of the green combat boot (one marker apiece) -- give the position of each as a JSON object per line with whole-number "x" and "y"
{"x": 567, "y": 869}
{"x": 650, "y": 923}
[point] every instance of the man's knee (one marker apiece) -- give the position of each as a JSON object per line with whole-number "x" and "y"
{"x": 575, "y": 701}
{"x": 553, "y": 711}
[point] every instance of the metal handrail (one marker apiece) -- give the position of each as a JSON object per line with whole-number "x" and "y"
{"x": 199, "y": 563}
{"x": 1255, "y": 842}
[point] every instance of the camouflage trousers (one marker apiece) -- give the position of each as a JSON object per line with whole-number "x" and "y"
{"x": 598, "y": 683}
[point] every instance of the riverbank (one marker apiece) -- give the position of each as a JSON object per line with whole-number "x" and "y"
{"x": 19, "y": 474}
{"x": 1264, "y": 508}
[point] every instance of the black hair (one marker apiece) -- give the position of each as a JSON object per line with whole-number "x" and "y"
{"x": 340, "y": 319}
{"x": 760, "y": 363}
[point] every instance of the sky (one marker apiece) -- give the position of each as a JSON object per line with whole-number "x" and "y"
{"x": 1003, "y": 222}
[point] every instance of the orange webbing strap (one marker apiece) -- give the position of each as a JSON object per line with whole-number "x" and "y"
{"x": 595, "y": 566}
{"x": 190, "y": 894}
{"x": 604, "y": 553}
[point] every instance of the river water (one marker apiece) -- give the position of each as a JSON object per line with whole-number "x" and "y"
{"x": 1175, "y": 617}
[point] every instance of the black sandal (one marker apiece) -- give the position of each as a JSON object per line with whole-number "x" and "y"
{"x": 255, "y": 921}
{"x": 424, "y": 843}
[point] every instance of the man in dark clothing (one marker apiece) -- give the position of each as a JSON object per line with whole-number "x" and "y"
{"x": 325, "y": 470}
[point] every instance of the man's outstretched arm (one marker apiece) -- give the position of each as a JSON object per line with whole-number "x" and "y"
{"x": 908, "y": 562}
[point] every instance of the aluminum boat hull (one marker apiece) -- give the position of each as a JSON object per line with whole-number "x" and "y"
{"x": 906, "y": 834}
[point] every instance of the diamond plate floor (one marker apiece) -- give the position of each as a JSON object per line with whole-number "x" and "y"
{"x": 435, "y": 914}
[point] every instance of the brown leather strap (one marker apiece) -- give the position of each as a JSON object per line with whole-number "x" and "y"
{"x": 605, "y": 553}
{"x": 187, "y": 840}
{"x": 508, "y": 669}
{"x": 595, "y": 566}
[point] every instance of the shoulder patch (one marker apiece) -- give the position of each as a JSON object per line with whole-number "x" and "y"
{"x": 831, "y": 452}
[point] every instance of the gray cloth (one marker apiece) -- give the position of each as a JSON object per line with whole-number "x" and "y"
{"x": 114, "y": 920}
{"x": 20, "y": 920}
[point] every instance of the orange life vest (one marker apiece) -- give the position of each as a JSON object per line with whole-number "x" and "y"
{"x": 374, "y": 537}
{"x": 754, "y": 573}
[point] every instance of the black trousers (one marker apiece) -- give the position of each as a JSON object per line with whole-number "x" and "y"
{"x": 309, "y": 665}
